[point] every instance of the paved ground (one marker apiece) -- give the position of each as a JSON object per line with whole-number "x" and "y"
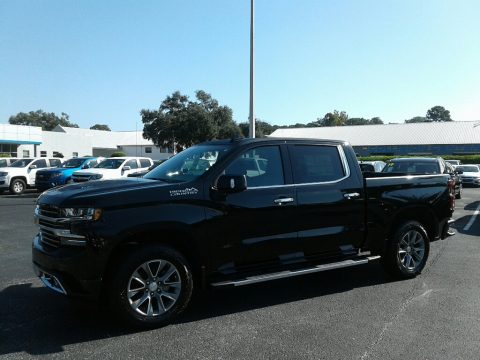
{"x": 353, "y": 313}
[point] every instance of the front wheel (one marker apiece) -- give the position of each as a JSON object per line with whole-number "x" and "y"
{"x": 407, "y": 251}
{"x": 17, "y": 186}
{"x": 152, "y": 286}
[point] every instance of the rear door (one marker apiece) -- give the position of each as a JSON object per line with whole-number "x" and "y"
{"x": 330, "y": 200}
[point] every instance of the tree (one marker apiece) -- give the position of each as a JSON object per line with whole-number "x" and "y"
{"x": 262, "y": 128}
{"x": 100, "y": 127}
{"x": 47, "y": 121}
{"x": 337, "y": 118}
{"x": 118, "y": 154}
{"x": 417, "y": 119}
{"x": 183, "y": 122}
{"x": 439, "y": 114}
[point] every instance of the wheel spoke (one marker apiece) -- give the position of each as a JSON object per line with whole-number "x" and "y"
{"x": 140, "y": 301}
{"x": 169, "y": 295}
{"x": 168, "y": 274}
{"x": 161, "y": 305}
{"x": 150, "y": 307}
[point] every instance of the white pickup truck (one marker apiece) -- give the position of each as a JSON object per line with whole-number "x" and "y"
{"x": 21, "y": 174}
{"x": 113, "y": 168}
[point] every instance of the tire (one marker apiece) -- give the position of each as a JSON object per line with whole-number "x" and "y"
{"x": 151, "y": 286}
{"x": 402, "y": 259}
{"x": 459, "y": 194}
{"x": 69, "y": 181}
{"x": 17, "y": 186}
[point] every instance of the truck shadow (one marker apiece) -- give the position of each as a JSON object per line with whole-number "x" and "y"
{"x": 37, "y": 322}
{"x": 460, "y": 224}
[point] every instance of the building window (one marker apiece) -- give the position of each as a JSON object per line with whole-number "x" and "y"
{"x": 42, "y": 154}
{"x": 75, "y": 154}
{"x": 148, "y": 150}
{"x": 26, "y": 153}
{"x": 57, "y": 154}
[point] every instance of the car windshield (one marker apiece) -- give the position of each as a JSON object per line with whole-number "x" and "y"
{"x": 72, "y": 163}
{"x": 110, "y": 164}
{"x": 21, "y": 163}
{"x": 412, "y": 167}
{"x": 471, "y": 168}
{"x": 188, "y": 164}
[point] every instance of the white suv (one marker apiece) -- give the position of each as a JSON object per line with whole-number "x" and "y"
{"x": 113, "y": 168}
{"x": 21, "y": 174}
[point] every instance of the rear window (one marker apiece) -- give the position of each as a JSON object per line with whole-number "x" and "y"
{"x": 412, "y": 167}
{"x": 144, "y": 163}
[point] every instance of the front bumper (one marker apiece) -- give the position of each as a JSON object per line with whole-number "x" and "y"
{"x": 471, "y": 181}
{"x": 71, "y": 271}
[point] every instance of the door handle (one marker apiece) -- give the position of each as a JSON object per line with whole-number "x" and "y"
{"x": 350, "y": 196}
{"x": 282, "y": 201}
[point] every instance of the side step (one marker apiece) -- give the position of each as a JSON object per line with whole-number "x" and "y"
{"x": 291, "y": 273}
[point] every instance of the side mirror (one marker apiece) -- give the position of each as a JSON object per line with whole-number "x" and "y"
{"x": 232, "y": 183}
{"x": 459, "y": 172}
{"x": 126, "y": 168}
{"x": 32, "y": 167}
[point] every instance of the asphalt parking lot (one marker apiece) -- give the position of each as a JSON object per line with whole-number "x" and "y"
{"x": 356, "y": 313}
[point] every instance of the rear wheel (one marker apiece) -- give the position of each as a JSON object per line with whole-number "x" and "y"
{"x": 152, "y": 286}
{"x": 17, "y": 186}
{"x": 407, "y": 251}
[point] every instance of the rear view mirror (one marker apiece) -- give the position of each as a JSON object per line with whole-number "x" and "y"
{"x": 232, "y": 183}
{"x": 459, "y": 172}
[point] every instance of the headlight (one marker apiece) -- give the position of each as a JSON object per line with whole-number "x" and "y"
{"x": 3, "y": 173}
{"x": 96, "y": 177}
{"x": 82, "y": 213}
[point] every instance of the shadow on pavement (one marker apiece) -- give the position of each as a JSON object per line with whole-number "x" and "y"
{"x": 472, "y": 206}
{"x": 460, "y": 224}
{"x": 38, "y": 322}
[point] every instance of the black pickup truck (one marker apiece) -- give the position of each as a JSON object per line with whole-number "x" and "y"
{"x": 231, "y": 213}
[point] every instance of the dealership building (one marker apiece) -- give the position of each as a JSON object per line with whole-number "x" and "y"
{"x": 433, "y": 138}
{"x": 31, "y": 141}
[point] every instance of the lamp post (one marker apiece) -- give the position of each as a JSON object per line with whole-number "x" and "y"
{"x": 251, "y": 116}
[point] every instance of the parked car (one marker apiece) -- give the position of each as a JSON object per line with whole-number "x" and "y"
{"x": 144, "y": 172}
{"x": 371, "y": 166}
{"x": 426, "y": 166}
{"x": 470, "y": 174}
{"x": 21, "y": 174}
{"x": 454, "y": 162}
{"x": 113, "y": 168}
{"x": 48, "y": 178}
{"x": 4, "y": 162}
{"x": 146, "y": 243}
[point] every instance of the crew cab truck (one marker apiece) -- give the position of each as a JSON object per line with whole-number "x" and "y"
{"x": 21, "y": 174}
{"x": 48, "y": 178}
{"x": 262, "y": 209}
{"x": 113, "y": 168}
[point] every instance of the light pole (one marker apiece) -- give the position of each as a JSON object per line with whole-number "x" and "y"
{"x": 251, "y": 115}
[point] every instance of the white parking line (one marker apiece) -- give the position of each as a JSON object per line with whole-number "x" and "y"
{"x": 472, "y": 219}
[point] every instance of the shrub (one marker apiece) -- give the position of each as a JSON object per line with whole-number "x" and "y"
{"x": 118, "y": 154}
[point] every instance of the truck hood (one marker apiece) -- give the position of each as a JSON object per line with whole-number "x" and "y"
{"x": 14, "y": 171}
{"x": 470, "y": 174}
{"x": 55, "y": 170}
{"x": 107, "y": 173}
{"x": 119, "y": 192}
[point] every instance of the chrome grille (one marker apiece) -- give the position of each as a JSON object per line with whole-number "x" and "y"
{"x": 80, "y": 178}
{"x": 48, "y": 238}
{"x": 50, "y": 211}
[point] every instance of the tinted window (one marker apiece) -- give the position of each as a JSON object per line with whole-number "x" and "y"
{"x": 55, "y": 162}
{"x": 313, "y": 164}
{"x": 132, "y": 163}
{"x": 471, "y": 168}
{"x": 72, "y": 163}
{"x": 144, "y": 163}
{"x": 367, "y": 167}
{"x": 3, "y": 163}
{"x": 110, "y": 164}
{"x": 21, "y": 163}
{"x": 262, "y": 166}
{"x": 91, "y": 163}
{"x": 40, "y": 163}
{"x": 412, "y": 167}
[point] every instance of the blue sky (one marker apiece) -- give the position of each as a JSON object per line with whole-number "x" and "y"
{"x": 104, "y": 61}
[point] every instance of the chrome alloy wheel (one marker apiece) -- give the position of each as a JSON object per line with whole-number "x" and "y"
{"x": 154, "y": 287}
{"x": 411, "y": 250}
{"x": 18, "y": 187}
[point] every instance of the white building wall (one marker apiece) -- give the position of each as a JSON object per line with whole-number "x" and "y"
{"x": 141, "y": 150}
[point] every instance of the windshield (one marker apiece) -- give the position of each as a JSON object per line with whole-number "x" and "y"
{"x": 412, "y": 167}
{"x": 72, "y": 163}
{"x": 110, "y": 164}
{"x": 189, "y": 164}
{"x": 21, "y": 163}
{"x": 471, "y": 168}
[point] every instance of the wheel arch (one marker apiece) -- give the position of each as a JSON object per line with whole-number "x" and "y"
{"x": 420, "y": 214}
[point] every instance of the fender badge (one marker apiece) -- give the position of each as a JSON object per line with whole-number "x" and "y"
{"x": 187, "y": 191}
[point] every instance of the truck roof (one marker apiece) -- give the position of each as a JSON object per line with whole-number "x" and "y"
{"x": 243, "y": 141}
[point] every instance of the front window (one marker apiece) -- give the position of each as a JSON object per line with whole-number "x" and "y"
{"x": 110, "y": 164}
{"x": 72, "y": 163}
{"x": 188, "y": 164}
{"x": 21, "y": 163}
{"x": 471, "y": 168}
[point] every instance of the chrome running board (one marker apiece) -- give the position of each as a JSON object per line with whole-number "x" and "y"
{"x": 291, "y": 273}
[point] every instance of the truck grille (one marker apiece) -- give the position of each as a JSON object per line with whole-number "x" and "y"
{"x": 49, "y": 239}
{"x": 80, "y": 178}
{"x": 43, "y": 177}
{"x": 50, "y": 211}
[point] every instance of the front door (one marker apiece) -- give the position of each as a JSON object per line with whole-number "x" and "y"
{"x": 255, "y": 227}
{"x": 32, "y": 172}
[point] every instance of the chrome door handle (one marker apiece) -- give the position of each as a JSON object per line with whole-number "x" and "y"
{"x": 282, "y": 201}
{"x": 351, "y": 195}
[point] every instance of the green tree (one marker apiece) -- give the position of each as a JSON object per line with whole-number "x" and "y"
{"x": 262, "y": 128}
{"x": 183, "y": 122}
{"x": 100, "y": 127}
{"x": 439, "y": 114}
{"x": 375, "y": 121}
{"x": 417, "y": 119}
{"x": 47, "y": 121}
{"x": 335, "y": 118}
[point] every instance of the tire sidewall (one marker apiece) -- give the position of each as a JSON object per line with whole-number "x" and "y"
{"x": 118, "y": 292}
{"x": 12, "y": 186}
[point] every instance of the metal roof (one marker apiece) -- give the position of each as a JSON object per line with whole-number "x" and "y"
{"x": 432, "y": 133}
